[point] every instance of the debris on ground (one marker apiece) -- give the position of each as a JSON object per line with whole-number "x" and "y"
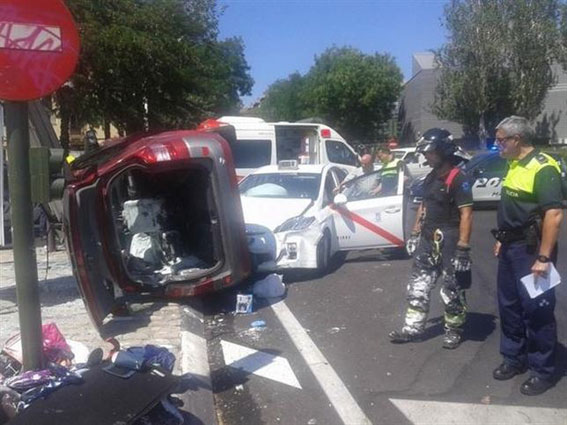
{"x": 107, "y": 385}
{"x": 258, "y": 324}
{"x": 244, "y": 303}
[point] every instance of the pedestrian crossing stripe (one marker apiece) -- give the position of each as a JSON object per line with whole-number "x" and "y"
{"x": 259, "y": 363}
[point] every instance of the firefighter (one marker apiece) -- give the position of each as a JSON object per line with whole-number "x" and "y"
{"x": 439, "y": 242}
{"x": 529, "y": 218}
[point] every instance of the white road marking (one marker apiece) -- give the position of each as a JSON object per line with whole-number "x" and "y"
{"x": 259, "y": 363}
{"x": 421, "y": 412}
{"x": 339, "y": 396}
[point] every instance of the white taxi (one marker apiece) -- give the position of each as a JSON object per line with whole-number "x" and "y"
{"x": 294, "y": 213}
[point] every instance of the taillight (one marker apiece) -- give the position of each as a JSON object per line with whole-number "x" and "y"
{"x": 325, "y": 133}
{"x": 159, "y": 152}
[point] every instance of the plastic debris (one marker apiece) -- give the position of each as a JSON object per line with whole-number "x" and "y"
{"x": 79, "y": 350}
{"x": 271, "y": 286}
{"x": 244, "y": 303}
{"x": 258, "y": 324}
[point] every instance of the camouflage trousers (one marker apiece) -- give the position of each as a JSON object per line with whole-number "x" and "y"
{"x": 431, "y": 262}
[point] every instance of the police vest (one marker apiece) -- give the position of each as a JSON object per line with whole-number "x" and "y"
{"x": 520, "y": 180}
{"x": 392, "y": 167}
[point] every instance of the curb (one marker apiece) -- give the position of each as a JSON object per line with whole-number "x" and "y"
{"x": 199, "y": 400}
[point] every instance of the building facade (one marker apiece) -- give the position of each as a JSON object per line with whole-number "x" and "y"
{"x": 415, "y": 115}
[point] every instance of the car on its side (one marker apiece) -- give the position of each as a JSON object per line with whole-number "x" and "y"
{"x": 154, "y": 215}
{"x": 296, "y": 211}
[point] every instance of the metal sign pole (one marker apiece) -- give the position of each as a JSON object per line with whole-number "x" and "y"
{"x": 2, "y": 235}
{"x": 25, "y": 264}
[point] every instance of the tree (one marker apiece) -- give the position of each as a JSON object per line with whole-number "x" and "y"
{"x": 498, "y": 60}
{"x": 152, "y": 64}
{"x": 284, "y": 100}
{"x": 352, "y": 91}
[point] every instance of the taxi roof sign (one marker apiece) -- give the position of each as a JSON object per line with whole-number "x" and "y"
{"x": 39, "y": 48}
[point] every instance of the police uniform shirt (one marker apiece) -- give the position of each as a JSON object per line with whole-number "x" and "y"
{"x": 532, "y": 185}
{"x": 442, "y": 205}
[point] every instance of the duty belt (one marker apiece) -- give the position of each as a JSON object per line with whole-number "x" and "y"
{"x": 508, "y": 236}
{"x": 530, "y": 233}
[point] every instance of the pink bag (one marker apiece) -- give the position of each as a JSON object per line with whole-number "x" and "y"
{"x": 55, "y": 347}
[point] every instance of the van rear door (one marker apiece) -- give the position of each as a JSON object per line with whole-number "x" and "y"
{"x": 298, "y": 142}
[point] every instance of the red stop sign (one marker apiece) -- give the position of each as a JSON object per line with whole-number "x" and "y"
{"x": 39, "y": 48}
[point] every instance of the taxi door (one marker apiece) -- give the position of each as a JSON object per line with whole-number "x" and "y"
{"x": 373, "y": 214}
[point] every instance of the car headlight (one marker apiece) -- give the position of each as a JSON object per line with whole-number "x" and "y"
{"x": 295, "y": 223}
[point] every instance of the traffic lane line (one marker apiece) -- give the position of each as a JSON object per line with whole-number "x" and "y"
{"x": 341, "y": 399}
{"x": 243, "y": 397}
{"x": 424, "y": 412}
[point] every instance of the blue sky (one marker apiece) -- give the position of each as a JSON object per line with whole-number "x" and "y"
{"x": 283, "y": 36}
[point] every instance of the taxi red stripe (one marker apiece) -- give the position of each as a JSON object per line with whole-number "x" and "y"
{"x": 369, "y": 225}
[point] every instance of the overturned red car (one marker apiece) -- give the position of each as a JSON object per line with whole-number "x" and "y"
{"x": 158, "y": 215}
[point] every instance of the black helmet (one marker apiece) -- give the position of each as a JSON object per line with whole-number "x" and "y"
{"x": 438, "y": 140}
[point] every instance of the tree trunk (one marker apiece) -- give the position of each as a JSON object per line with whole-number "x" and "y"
{"x": 65, "y": 126}
{"x": 106, "y": 129}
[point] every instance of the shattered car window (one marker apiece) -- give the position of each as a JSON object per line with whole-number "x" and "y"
{"x": 281, "y": 186}
{"x": 369, "y": 186}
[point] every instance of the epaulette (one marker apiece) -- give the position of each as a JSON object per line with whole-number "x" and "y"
{"x": 542, "y": 159}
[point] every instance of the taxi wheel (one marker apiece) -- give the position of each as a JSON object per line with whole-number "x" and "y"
{"x": 323, "y": 253}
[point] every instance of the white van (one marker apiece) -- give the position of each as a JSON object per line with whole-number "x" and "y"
{"x": 260, "y": 143}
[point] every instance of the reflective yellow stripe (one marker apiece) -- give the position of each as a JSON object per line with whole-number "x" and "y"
{"x": 391, "y": 167}
{"x": 521, "y": 179}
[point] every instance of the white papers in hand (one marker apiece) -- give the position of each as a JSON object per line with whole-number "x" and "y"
{"x": 538, "y": 285}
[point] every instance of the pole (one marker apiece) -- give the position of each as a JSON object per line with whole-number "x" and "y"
{"x": 23, "y": 243}
{"x": 2, "y": 235}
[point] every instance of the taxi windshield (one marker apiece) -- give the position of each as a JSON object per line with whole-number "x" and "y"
{"x": 280, "y": 185}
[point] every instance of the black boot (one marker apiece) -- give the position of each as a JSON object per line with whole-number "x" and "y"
{"x": 536, "y": 385}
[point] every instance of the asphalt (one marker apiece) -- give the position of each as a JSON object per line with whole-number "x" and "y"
{"x": 348, "y": 314}
{"x": 337, "y": 361}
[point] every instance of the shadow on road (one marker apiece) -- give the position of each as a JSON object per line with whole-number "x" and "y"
{"x": 479, "y": 327}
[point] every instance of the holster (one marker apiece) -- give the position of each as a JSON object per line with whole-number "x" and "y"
{"x": 531, "y": 234}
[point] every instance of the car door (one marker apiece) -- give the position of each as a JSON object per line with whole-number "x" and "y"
{"x": 488, "y": 176}
{"x": 372, "y": 217}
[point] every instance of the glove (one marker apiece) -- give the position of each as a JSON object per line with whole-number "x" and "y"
{"x": 462, "y": 261}
{"x": 412, "y": 243}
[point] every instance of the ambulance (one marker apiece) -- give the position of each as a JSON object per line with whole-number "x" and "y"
{"x": 260, "y": 143}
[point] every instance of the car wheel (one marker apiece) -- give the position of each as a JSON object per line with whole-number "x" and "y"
{"x": 323, "y": 254}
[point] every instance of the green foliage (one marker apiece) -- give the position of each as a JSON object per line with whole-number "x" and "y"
{"x": 498, "y": 59}
{"x": 152, "y": 64}
{"x": 353, "y": 91}
{"x": 284, "y": 100}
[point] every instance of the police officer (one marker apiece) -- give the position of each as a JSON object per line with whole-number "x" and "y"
{"x": 529, "y": 217}
{"x": 440, "y": 242}
{"x": 390, "y": 169}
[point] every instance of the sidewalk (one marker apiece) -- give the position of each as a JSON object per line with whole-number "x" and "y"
{"x": 158, "y": 323}
{"x": 178, "y": 327}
